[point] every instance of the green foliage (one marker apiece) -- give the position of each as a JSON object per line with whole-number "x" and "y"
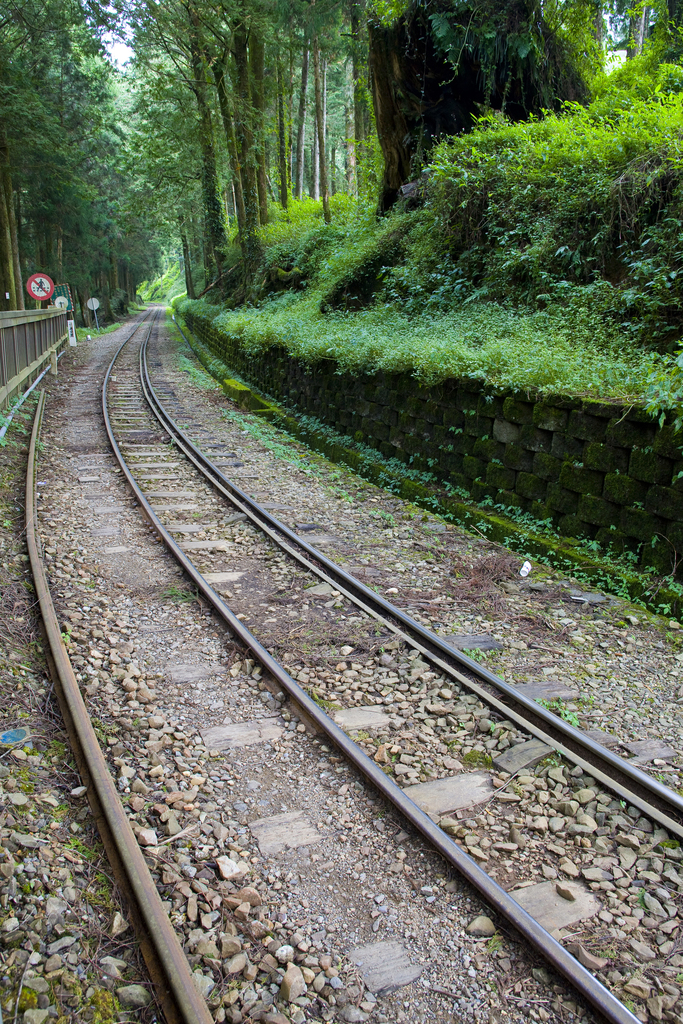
{"x": 557, "y": 706}
{"x": 164, "y": 288}
{"x": 581, "y": 208}
{"x": 545, "y": 257}
{"x": 477, "y": 759}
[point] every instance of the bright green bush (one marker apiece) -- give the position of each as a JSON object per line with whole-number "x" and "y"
{"x": 589, "y": 199}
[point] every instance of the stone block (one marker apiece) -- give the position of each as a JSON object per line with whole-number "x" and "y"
{"x": 597, "y": 511}
{"x": 450, "y": 462}
{"x": 480, "y": 490}
{"x": 504, "y": 431}
{"x": 501, "y": 477}
{"x": 454, "y": 793}
{"x": 594, "y": 407}
{"x": 466, "y": 401}
{"x": 478, "y": 426}
{"x": 623, "y": 490}
{"x": 665, "y": 502}
{"x": 650, "y": 468}
{"x": 521, "y": 755}
{"x": 547, "y": 467}
{"x": 433, "y": 412}
{"x": 439, "y": 435}
{"x": 660, "y": 557}
{"x": 548, "y": 417}
{"x": 516, "y": 411}
{"x": 512, "y": 500}
{"x": 624, "y": 433}
{"x": 453, "y": 417}
{"x": 674, "y": 535}
{"x": 534, "y": 439}
{"x": 473, "y": 468}
{"x": 561, "y": 500}
{"x": 668, "y": 442}
{"x": 490, "y": 405}
{"x": 565, "y": 446}
{"x": 551, "y": 910}
{"x": 530, "y": 486}
{"x": 242, "y": 734}
{"x": 384, "y": 966}
{"x": 580, "y": 479}
{"x": 459, "y": 480}
{"x": 609, "y": 537}
{"x": 488, "y": 449}
{"x": 586, "y": 428}
{"x": 378, "y": 431}
{"x": 351, "y": 719}
{"x": 605, "y": 457}
{"x": 636, "y": 522}
{"x": 516, "y": 457}
{"x": 284, "y": 832}
{"x": 572, "y": 526}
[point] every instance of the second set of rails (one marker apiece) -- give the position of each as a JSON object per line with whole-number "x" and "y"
{"x": 128, "y": 378}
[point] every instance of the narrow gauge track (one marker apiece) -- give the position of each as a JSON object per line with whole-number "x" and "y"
{"x": 651, "y": 797}
{"x": 163, "y": 954}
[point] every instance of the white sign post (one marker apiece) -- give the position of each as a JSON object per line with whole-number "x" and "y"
{"x": 73, "y": 340}
{"x": 94, "y": 304}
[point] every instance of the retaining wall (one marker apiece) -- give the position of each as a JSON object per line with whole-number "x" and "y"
{"x": 596, "y": 469}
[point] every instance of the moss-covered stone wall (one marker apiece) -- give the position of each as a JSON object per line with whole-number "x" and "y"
{"x": 597, "y": 470}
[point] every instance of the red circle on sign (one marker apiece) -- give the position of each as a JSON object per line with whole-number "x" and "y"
{"x": 40, "y": 286}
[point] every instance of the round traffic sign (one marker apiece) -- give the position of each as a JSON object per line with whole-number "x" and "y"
{"x": 93, "y": 303}
{"x": 61, "y": 301}
{"x": 40, "y": 286}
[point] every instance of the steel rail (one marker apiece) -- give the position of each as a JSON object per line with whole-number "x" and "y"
{"x": 583, "y": 981}
{"x": 165, "y": 960}
{"x": 552, "y": 730}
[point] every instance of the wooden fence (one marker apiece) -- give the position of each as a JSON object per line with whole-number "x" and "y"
{"x": 28, "y": 340}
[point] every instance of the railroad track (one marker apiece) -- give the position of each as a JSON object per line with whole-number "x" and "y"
{"x": 139, "y": 427}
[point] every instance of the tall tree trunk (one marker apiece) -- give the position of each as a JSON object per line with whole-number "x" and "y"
{"x": 281, "y": 135}
{"x": 319, "y": 120}
{"x": 187, "y": 265}
{"x": 220, "y": 79}
{"x": 251, "y": 246}
{"x": 351, "y": 178}
{"x": 315, "y": 162}
{"x": 642, "y": 30}
{"x": 257, "y": 52}
{"x": 114, "y": 272}
{"x": 289, "y": 108}
{"x": 301, "y": 126}
{"x": 357, "y": 71}
{"x": 323, "y": 68}
{"x": 16, "y": 237}
{"x": 8, "y": 295}
{"x": 60, "y": 254}
{"x": 85, "y": 312}
{"x": 10, "y": 273}
{"x": 333, "y": 170}
{"x": 213, "y": 213}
